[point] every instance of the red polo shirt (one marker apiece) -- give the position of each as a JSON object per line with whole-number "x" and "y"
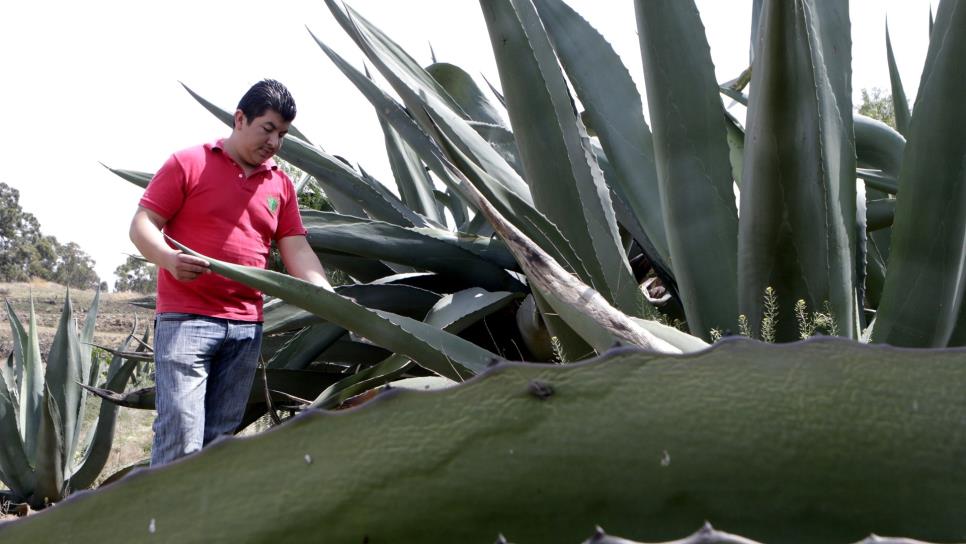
{"x": 211, "y": 207}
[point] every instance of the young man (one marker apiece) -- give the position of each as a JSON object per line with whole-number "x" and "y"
{"x": 227, "y": 200}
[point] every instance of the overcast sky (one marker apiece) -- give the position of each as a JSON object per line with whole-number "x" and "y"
{"x": 98, "y": 81}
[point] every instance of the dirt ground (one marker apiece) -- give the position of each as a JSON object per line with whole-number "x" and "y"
{"x": 115, "y": 319}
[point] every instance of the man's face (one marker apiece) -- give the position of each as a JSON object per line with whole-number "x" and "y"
{"x": 260, "y": 139}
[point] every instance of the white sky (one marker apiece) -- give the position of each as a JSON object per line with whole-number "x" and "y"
{"x": 97, "y": 81}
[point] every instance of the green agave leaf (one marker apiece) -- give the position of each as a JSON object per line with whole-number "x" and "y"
{"x": 9, "y": 376}
{"x": 354, "y": 354}
{"x": 615, "y": 110}
{"x": 899, "y": 102}
{"x": 446, "y": 354}
{"x": 878, "y": 146}
{"x": 141, "y": 179}
{"x": 15, "y": 466}
{"x": 874, "y": 179}
{"x": 414, "y": 184}
{"x": 880, "y": 213}
{"x": 19, "y": 338}
{"x": 509, "y": 201}
{"x": 64, "y": 373}
{"x": 754, "y": 436}
{"x": 330, "y": 231}
{"x": 453, "y": 313}
{"x": 349, "y": 191}
{"x": 454, "y": 204}
{"x": 925, "y": 285}
{"x": 502, "y": 141}
{"x": 98, "y": 450}
{"x": 51, "y": 457}
{"x": 303, "y": 348}
{"x": 797, "y": 229}
{"x": 564, "y": 177}
{"x": 464, "y": 91}
{"x": 425, "y": 99}
{"x": 399, "y": 299}
{"x": 693, "y": 166}
{"x": 32, "y": 386}
{"x": 363, "y": 270}
{"x": 86, "y": 340}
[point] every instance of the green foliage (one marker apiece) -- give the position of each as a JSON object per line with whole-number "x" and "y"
{"x": 26, "y": 253}
{"x": 878, "y": 106}
{"x": 137, "y": 275}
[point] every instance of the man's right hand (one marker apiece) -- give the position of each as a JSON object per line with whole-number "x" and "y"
{"x": 186, "y": 267}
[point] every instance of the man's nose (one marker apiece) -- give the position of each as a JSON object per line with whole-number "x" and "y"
{"x": 274, "y": 140}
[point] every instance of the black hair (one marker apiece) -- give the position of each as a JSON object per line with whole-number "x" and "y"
{"x": 264, "y": 95}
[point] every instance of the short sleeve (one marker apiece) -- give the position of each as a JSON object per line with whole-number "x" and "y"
{"x": 166, "y": 191}
{"x": 289, "y": 218}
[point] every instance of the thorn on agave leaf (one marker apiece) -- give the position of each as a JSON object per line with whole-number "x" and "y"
{"x": 500, "y": 539}
{"x": 539, "y": 389}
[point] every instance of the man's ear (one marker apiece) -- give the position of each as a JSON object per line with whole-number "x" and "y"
{"x": 239, "y": 119}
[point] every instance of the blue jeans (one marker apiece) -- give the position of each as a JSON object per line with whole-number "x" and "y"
{"x": 204, "y": 368}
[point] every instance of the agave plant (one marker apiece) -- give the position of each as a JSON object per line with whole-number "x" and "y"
{"x": 587, "y": 203}
{"x": 43, "y": 454}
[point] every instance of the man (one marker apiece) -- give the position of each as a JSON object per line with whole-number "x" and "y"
{"x": 227, "y": 200}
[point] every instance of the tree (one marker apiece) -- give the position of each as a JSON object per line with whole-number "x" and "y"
{"x": 25, "y": 252}
{"x": 878, "y": 106}
{"x": 136, "y": 275}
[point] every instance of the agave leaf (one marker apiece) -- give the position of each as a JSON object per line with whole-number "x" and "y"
{"x": 351, "y": 353}
{"x": 878, "y": 181}
{"x": 453, "y": 313}
{"x": 15, "y": 466}
{"x": 414, "y": 184}
{"x": 141, "y": 179}
{"x": 683, "y": 341}
{"x": 64, "y": 372}
{"x": 502, "y": 141}
{"x": 424, "y": 98}
{"x": 9, "y": 376}
{"x": 878, "y": 146}
{"x": 880, "y": 213}
{"x": 465, "y": 92}
{"x": 565, "y": 180}
{"x": 509, "y": 201}
{"x": 365, "y": 238}
{"x": 348, "y": 190}
{"x": 305, "y": 346}
{"x": 755, "y": 436}
{"x": 899, "y": 102}
{"x": 446, "y": 354}
{"x": 693, "y": 165}
{"x": 86, "y": 339}
{"x": 18, "y": 336}
{"x": 615, "y": 110}
{"x": 797, "y": 229}
{"x": 98, "y": 449}
{"x": 455, "y": 205}
{"x": 51, "y": 457}
{"x": 398, "y": 299}
{"x": 32, "y": 387}
{"x": 925, "y": 285}
{"x": 139, "y": 399}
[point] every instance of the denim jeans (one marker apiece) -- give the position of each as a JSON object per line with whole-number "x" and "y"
{"x": 204, "y": 369}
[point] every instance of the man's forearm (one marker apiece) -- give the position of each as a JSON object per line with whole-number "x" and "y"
{"x": 146, "y": 234}
{"x": 302, "y": 262}
{"x": 147, "y": 237}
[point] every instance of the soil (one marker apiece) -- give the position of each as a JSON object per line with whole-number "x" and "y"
{"x": 115, "y": 314}
{"x": 116, "y": 317}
